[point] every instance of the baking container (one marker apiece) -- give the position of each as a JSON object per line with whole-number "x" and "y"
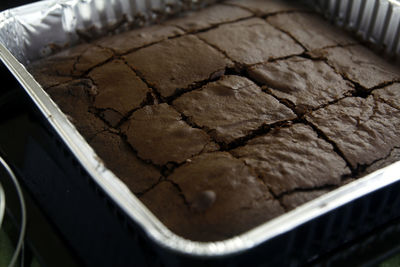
{"x": 133, "y": 234}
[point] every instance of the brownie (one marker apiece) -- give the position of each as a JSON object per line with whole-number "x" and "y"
{"x": 120, "y": 90}
{"x": 70, "y": 63}
{"x": 267, "y": 7}
{"x": 361, "y": 65}
{"x": 225, "y": 118}
{"x": 131, "y": 40}
{"x": 293, "y": 158}
{"x": 311, "y": 30}
{"x": 303, "y": 82}
{"x": 209, "y": 17}
{"x": 238, "y": 108}
{"x": 364, "y": 130}
{"x": 251, "y": 41}
{"x": 177, "y": 64}
{"x": 224, "y": 196}
{"x": 135, "y": 173}
{"x": 159, "y": 134}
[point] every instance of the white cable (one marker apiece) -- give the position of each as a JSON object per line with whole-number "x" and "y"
{"x": 23, "y": 212}
{"x": 2, "y": 204}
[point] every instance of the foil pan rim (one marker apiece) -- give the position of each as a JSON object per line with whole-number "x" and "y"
{"x": 136, "y": 210}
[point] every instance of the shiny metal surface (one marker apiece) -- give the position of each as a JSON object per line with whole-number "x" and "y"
{"x": 47, "y": 22}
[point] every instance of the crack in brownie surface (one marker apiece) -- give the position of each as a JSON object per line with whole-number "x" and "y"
{"x": 238, "y": 107}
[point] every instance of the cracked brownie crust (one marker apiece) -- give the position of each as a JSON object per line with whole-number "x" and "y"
{"x": 223, "y": 119}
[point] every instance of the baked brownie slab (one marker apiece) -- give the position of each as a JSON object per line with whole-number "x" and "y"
{"x": 303, "y": 82}
{"x": 177, "y": 64}
{"x": 238, "y": 107}
{"x": 311, "y": 30}
{"x": 251, "y": 41}
{"x": 209, "y": 17}
{"x": 293, "y": 158}
{"x": 172, "y": 81}
{"x": 365, "y": 130}
{"x": 159, "y": 134}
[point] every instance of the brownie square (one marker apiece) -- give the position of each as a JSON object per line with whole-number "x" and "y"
{"x": 251, "y": 41}
{"x": 134, "y": 39}
{"x": 311, "y": 30}
{"x": 159, "y": 135}
{"x": 365, "y": 130}
{"x": 119, "y": 89}
{"x": 293, "y": 158}
{"x": 209, "y": 17}
{"x": 267, "y": 7}
{"x": 175, "y": 65}
{"x": 305, "y": 83}
{"x": 361, "y": 65}
{"x": 238, "y": 107}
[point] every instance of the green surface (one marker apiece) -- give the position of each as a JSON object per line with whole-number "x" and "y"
{"x": 6, "y": 249}
{"x": 391, "y": 262}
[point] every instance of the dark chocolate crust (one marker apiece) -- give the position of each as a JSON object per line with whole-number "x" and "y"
{"x": 222, "y": 119}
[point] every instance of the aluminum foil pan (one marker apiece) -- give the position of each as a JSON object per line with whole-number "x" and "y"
{"x": 30, "y": 32}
